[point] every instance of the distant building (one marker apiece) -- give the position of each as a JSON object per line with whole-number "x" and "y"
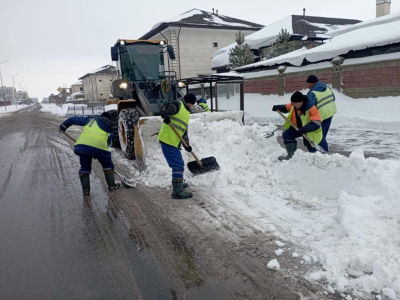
{"x": 7, "y": 93}
{"x": 195, "y": 36}
{"x": 60, "y": 96}
{"x": 97, "y": 84}
{"x": 77, "y": 87}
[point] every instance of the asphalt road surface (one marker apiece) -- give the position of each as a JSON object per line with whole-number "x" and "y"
{"x": 129, "y": 244}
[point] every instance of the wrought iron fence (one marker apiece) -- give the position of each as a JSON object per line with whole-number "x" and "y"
{"x": 85, "y": 111}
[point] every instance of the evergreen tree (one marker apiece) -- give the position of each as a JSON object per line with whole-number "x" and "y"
{"x": 281, "y": 46}
{"x": 241, "y": 54}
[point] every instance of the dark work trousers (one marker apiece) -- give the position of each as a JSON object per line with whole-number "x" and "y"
{"x": 326, "y": 124}
{"x": 174, "y": 159}
{"x": 86, "y": 162}
{"x": 290, "y": 135}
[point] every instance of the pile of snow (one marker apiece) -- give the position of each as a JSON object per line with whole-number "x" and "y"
{"x": 11, "y": 108}
{"x": 340, "y": 212}
{"x": 376, "y": 34}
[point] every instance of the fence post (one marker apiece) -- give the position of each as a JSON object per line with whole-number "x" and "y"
{"x": 83, "y": 110}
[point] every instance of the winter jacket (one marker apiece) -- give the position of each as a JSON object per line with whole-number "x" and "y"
{"x": 315, "y": 117}
{"x": 104, "y": 124}
{"x": 195, "y": 109}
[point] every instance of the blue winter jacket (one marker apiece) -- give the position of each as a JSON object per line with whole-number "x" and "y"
{"x": 104, "y": 123}
{"x": 318, "y": 87}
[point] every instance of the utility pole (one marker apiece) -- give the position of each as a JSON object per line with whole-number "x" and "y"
{"x": 2, "y": 88}
{"x": 12, "y": 76}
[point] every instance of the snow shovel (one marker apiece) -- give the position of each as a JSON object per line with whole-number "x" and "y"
{"x": 125, "y": 181}
{"x": 269, "y": 134}
{"x": 317, "y": 147}
{"x": 198, "y": 167}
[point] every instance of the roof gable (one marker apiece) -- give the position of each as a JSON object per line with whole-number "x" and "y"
{"x": 105, "y": 70}
{"x": 203, "y": 19}
{"x": 303, "y": 25}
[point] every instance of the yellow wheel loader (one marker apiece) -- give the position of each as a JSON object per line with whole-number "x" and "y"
{"x": 141, "y": 89}
{"x": 143, "y": 86}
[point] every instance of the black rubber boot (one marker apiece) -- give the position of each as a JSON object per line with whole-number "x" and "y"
{"x": 112, "y": 184}
{"x": 85, "y": 183}
{"x": 291, "y": 149}
{"x": 178, "y": 193}
{"x": 185, "y": 184}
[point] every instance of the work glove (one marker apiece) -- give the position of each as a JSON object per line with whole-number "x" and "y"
{"x": 166, "y": 117}
{"x": 281, "y": 108}
{"x": 188, "y": 148}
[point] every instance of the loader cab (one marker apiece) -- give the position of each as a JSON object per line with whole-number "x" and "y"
{"x": 142, "y": 73}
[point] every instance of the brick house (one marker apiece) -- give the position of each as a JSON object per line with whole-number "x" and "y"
{"x": 195, "y": 36}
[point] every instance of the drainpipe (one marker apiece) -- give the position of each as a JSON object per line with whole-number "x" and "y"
{"x": 179, "y": 54}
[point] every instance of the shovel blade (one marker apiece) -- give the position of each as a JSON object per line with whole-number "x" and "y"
{"x": 209, "y": 165}
{"x": 269, "y": 134}
{"x": 125, "y": 181}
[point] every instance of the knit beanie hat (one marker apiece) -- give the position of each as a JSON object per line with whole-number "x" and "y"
{"x": 312, "y": 79}
{"x": 298, "y": 97}
{"x": 190, "y": 98}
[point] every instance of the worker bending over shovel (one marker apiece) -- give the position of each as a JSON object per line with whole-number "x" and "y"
{"x": 306, "y": 117}
{"x": 93, "y": 142}
{"x": 176, "y": 113}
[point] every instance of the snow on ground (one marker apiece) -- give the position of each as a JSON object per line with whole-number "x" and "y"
{"x": 11, "y": 108}
{"x": 371, "y": 124}
{"x": 338, "y": 211}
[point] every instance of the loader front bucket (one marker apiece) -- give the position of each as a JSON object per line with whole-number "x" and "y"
{"x": 209, "y": 165}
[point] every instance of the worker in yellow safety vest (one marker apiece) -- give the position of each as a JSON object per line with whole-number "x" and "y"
{"x": 175, "y": 113}
{"x": 325, "y": 102}
{"x": 94, "y": 143}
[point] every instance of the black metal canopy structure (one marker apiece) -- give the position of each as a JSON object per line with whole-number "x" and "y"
{"x": 216, "y": 78}
{"x": 211, "y": 79}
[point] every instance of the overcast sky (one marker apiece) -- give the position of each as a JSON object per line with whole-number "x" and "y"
{"x": 52, "y": 43}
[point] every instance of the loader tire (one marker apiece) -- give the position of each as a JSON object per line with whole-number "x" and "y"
{"x": 128, "y": 119}
{"x": 115, "y": 139}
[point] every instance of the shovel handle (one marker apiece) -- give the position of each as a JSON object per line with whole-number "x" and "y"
{"x": 295, "y": 127}
{"x": 185, "y": 144}
{"x": 69, "y": 136}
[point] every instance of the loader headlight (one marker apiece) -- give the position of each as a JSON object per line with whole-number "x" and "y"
{"x": 181, "y": 84}
{"x": 123, "y": 85}
{"x": 122, "y": 43}
{"x": 162, "y": 43}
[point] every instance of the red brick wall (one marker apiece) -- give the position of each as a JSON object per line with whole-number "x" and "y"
{"x": 297, "y": 83}
{"x": 376, "y": 77}
{"x": 262, "y": 86}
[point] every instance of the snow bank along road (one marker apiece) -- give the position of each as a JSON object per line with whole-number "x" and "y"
{"x": 339, "y": 217}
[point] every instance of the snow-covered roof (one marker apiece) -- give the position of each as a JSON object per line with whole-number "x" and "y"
{"x": 364, "y": 37}
{"x": 295, "y": 25}
{"x": 373, "y": 22}
{"x": 77, "y": 83}
{"x": 201, "y": 18}
{"x": 105, "y": 70}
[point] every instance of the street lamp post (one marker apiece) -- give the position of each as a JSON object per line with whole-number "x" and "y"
{"x": 20, "y": 92}
{"x": 2, "y": 88}
{"x": 12, "y": 76}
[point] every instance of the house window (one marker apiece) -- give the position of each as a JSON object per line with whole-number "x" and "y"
{"x": 215, "y": 45}
{"x": 100, "y": 80}
{"x": 101, "y": 94}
